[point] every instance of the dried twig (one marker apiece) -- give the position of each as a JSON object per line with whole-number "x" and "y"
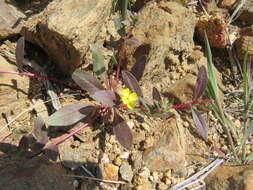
{"x": 97, "y": 179}
{"x": 199, "y": 176}
{"x": 233, "y": 16}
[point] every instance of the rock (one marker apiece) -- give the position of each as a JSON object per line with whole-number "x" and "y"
{"x": 65, "y": 29}
{"x": 73, "y": 157}
{"x": 9, "y": 19}
{"x": 138, "y": 137}
{"x": 168, "y": 151}
{"x": 149, "y": 142}
{"x": 110, "y": 172}
{"x": 162, "y": 186}
{"x": 215, "y": 27}
{"x": 230, "y": 177}
{"x": 136, "y": 159}
{"x": 35, "y": 173}
{"x": 117, "y": 161}
{"x": 247, "y": 12}
{"x": 247, "y": 179}
{"x": 145, "y": 186}
{"x": 145, "y": 173}
{"x": 245, "y": 42}
{"x": 155, "y": 176}
{"x": 124, "y": 155}
{"x": 126, "y": 172}
{"x": 142, "y": 183}
{"x": 182, "y": 91}
{"x": 164, "y": 29}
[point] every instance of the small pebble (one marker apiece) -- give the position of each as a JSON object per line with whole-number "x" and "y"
{"x": 130, "y": 124}
{"x": 105, "y": 159}
{"x": 162, "y": 186}
{"x": 75, "y": 183}
{"x": 237, "y": 123}
{"x": 155, "y": 176}
{"x": 117, "y": 161}
{"x": 186, "y": 124}
{"x": 145, "y": 126}
{"x": 145, "y": 173}
{"x": 149, "y": 142}
{"x": 124, "y": 155}
{"x": 126, "y": 172}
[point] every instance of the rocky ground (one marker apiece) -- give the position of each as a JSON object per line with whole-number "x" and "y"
{"x": 169, "y": 50}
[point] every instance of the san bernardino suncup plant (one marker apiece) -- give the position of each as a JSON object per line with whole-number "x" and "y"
{"x": 114, "y": 101}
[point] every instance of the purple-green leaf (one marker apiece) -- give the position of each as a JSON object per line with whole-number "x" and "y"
{"x": 98, "y": 60}
{"x": 122, "y": 132}
{"x": 131, "y": 83}
{"x": 139, "y": 67}
{"x": 200, "y": 124}
{"x": 156, "y": 95}
{"x": 70, "y": 115}
{"x": 87, "y": 81}
{"x": 105, "y": 97}
{"x": 132, "y": 42}
{"x": 20, "y": 52}
{"x": 201, "y": 83}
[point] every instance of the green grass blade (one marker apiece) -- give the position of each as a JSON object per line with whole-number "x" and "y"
{"x": 98, "y": 60}
{"x": 246, "y": 79}
{"x": 211, "y": 74}
{"x": 124, "y": 5}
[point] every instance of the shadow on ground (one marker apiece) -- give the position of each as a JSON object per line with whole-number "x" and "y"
{"x": 17, "y": 171}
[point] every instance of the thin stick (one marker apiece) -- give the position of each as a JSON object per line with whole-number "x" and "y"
{"x": 199, "y": 176}
{"x": 38, "y": 76}
{"x": 203, "y": 7}
{"x": 239, "y": 6}
{"x": 97, "y": 179}
{"x": 65, "y": 137}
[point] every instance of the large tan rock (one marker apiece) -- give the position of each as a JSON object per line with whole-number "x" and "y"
{"x": 230, "y": 177}
{"x": 245, "y": 42}
{"x": 165, "y": 31}
{"x": 9, "y": 19}
{"x": 66, "y": 28}
{"x": 168, "y": 151}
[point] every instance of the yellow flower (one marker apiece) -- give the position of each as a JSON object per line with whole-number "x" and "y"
{"x": 128, "y": 98}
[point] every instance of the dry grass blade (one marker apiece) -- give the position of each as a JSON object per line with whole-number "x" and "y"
{"x": 199, "y": 176}
{"x": 239, "y": 6}
{"x": 97, "y": 179}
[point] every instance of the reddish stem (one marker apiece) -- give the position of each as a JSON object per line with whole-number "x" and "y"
{"x": 117, "y": 73}
{"x": 191, "y": 103}
{"x": 39, "y": 76}
{"x": 62, "y": 139}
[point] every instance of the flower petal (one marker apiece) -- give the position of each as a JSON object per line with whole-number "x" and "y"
{"x": 131, "y": 105}
{"x": 125, "y": 92}
{"x": 133, "y": 97}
